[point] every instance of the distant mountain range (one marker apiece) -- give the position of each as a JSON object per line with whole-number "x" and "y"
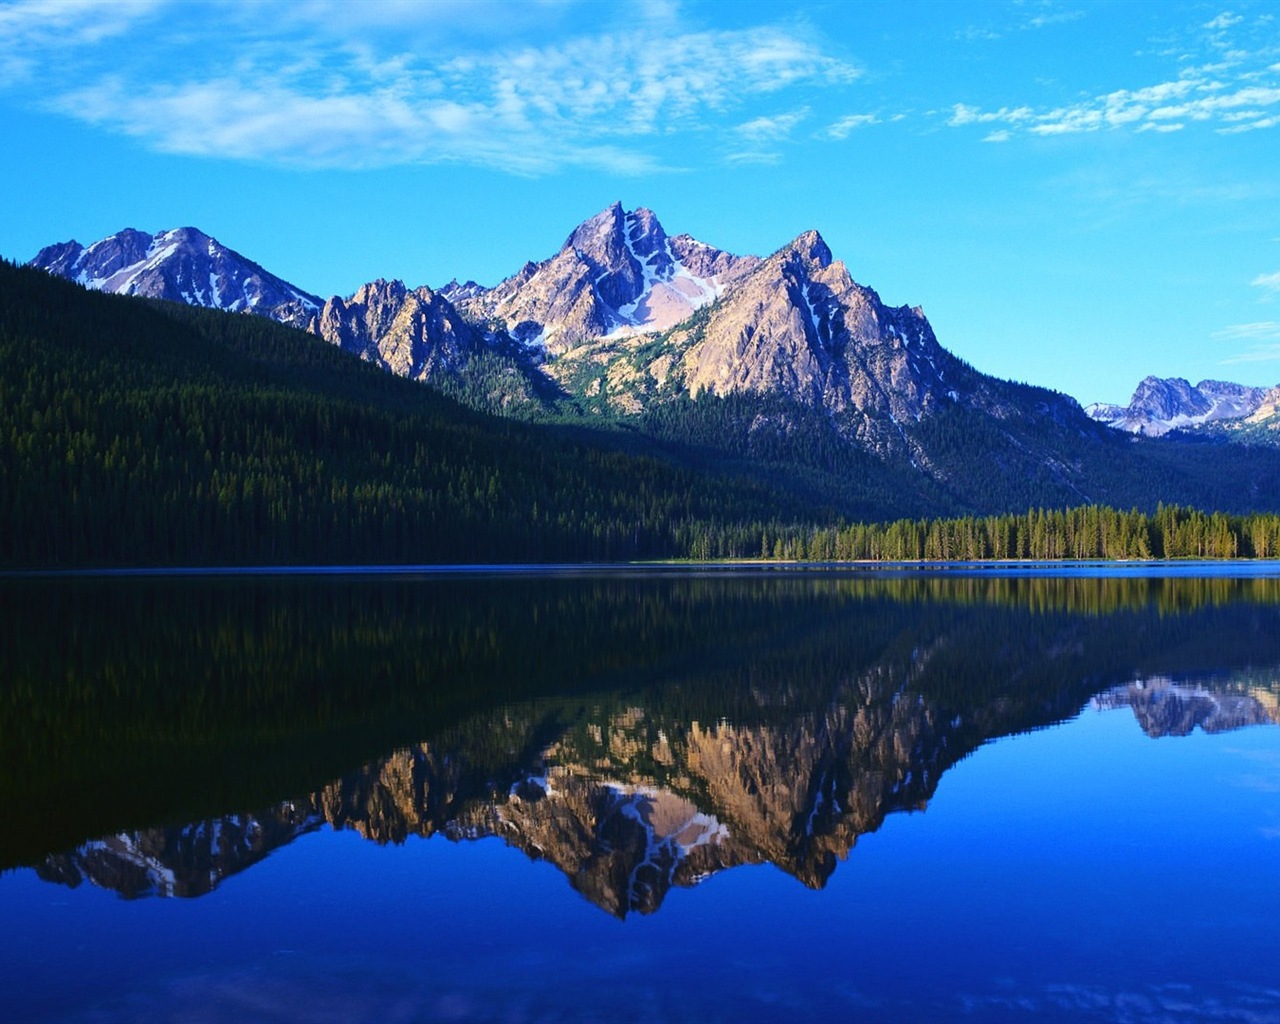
{"x": 584, "y": 321}
{"x": 1160, "y": 405}
{"x": 793, "y": 324}
{"x": 782, "y": 359}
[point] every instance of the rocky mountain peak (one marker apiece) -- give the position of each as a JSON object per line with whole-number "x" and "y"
{"x": 380, "y": 290}
{"x": 1164, "y": 399}
{"x": 181, "y": 265}
{"x": 618, "y": 273}
{"x": 649, "y": 244}
{"x": 1162, "y": 404}
{"x": 812, "y": 248}
{"x": 599, "y": 235}
{"x": 457, "y": 292}
{"x": 411, "y": 332}
{"x": 799, "y": 325}
{"x": 603, "y": 244}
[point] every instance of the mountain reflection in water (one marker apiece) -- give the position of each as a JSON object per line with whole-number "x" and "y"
{"x": 639, "y": 733}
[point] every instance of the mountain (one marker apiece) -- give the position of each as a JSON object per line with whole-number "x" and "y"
{"x": 782, "y": 371}
{"x": 788, "y": 365}
{"x": 183, "y": 265}
{"x": 618, "y": 273}
{"x": 419, "y": 334}
{"x": 796, "y": 326}
{"x": 625, "y": 315}
{"x": 1262, "y": 426}
{"x": 1160, "y": 405}
{"x": 413, "y": 333}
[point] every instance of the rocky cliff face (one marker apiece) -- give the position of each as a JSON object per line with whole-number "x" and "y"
{"x": 618, "y": 273}
{"x": 1268, "y": 410}
{"x": 182, "y": 265}
{"x": 413, "y": 333}
{"x": 799, "y": 325}
{"x": 1160, "y": 405}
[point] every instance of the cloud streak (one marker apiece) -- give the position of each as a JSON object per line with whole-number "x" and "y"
{"x": 359, "y": 100}
{"x": 1230, "y": 89}
{"x": 1262, "y": 337}
{"x": 30, "y": 28}
{"x": 845, "y": 126}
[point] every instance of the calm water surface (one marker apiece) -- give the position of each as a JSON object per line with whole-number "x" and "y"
{"x": 595, "y": 796}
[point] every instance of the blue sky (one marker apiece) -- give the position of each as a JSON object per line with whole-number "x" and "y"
{"x": 1078, "y": 194}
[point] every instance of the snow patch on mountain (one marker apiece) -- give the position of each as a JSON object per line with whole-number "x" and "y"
{"x": 670, "y": 292}
{"x": 181, "y": 265}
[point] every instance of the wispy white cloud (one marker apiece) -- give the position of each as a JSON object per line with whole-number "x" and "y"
{"x": 1022, "y": 17}
{"x": 1251, "y": 125}
{"x": 1167, "y": 106}
{"x": 1262, "y": 338}
{"x": 36, "y": 23}
{"x": 1050, "y": 16}
{"x": 1224, "y": 21}
{"x": 772, "y": 128}
{"x": 1229, "y": 87}
{"x": 963, "y": 114}
{"x": 1267, "y": 282}
{"x": 766, "y": 158}
{"x": 29, "y": 28}
{"x": 367, "y": 96}
{"x": 842, "y": 128}
{"x": 1265, "y": 330}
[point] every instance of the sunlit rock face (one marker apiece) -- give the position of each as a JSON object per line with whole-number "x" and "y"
{"x": 800, "y": 326}
{"x": 414, "y": 333}
{"x": 618, "y": 273}
{"x": 1268, "y": 410}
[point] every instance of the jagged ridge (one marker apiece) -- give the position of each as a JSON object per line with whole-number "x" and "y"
{"x": 181, "y": 265}
{"x": 1160, "y": 405}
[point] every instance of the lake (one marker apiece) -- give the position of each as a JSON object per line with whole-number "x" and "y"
{"x": 642, "y": 795}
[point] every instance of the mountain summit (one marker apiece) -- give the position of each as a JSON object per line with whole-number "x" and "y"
{"x": 618, "y": 273}
{"x": 182, "y": 265}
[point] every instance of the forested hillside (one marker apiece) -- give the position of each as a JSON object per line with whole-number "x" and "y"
{"x": 137, "y": 432}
